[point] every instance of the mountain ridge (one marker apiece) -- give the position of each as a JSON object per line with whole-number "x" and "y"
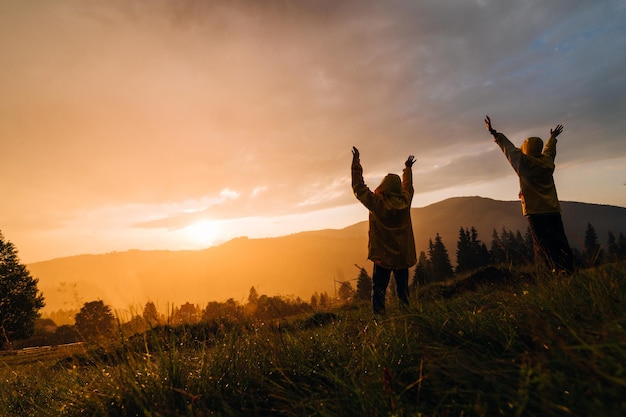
{"x": 298, "y": 264}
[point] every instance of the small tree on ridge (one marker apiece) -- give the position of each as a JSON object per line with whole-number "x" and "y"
{"x": 20, "y": 300}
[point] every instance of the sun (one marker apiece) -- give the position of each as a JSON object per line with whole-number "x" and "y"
{"x": 202, "y": 233}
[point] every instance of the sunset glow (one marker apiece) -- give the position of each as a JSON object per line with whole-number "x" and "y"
{"x": 181, "y": 125}
{"x": 203, "y": 233}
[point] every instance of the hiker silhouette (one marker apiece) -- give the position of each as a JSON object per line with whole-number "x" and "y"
{"x": 391, "y": 243}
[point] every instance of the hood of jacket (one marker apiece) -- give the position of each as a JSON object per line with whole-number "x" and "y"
{"x": 532, "y": 146}
{"x": 390, "y": 189}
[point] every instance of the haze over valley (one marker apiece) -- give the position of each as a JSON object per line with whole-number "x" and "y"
{"x": 296, "y": 265}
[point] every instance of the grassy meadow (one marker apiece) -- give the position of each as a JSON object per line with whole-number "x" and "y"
{"x": 515, "y": 344}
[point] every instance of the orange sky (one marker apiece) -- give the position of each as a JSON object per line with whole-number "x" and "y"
{"x": 181, "y": 124}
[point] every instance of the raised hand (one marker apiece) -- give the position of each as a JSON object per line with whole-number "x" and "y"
{"x": 488, "y": 125}
{"x": 557, "y": 131}
{"x": 409, "y": 161}
{"x": 355, "y": 154}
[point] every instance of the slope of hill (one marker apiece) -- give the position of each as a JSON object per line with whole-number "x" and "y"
{"x": 294, "y": 265}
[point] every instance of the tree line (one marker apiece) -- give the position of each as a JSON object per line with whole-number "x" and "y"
{"x": 20, "y": 300}
{"x": 506, "y": 248}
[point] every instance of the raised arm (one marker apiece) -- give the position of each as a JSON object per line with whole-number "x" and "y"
{"x": 490, "y": 128}
{"x": 550, "y": 148}
{"x": 407, "y": 175}
{"x": 512, "y": 153}
{"x": 357, "y": 170}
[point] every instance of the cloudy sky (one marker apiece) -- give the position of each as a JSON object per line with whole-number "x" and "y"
{"x": 180, "y": 124}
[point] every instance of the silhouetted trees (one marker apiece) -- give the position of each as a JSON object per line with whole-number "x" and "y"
{"x": 324, "y": 299}
{"x": 616, "y": 248}
{"x": 186, "y": 314}
{"x": 593, "y": 252}
{"x": 66, "y": 334}
{"x": 510, "y": 248}
{"x": 230, "y": 310}
{"x": 253, "y": 302}
{"x": 346, "y": 291}
{"x": 497, "y": 252}
{"x": 253, "y": 296}
{"x": 275, "y": 307}
{"x": 62, "y": 317}
{"x": 420, "y": 273}
{"x": 95, "y": 321}
{"x": 440, "y": 265}
{"x": 507, "y": 248}
{"x": 363, "y": 286}
{"x": 471, "y": 253}
{"x": 212, "y": 311}
{"x": 150, "y": 314}
{"x": 20, "y": 300}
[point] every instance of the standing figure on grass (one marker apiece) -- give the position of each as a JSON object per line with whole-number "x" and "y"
{"x": 391, "y": 243}
{"x": 534, "y": 165}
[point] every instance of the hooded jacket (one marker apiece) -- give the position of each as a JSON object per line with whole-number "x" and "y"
{"x": 391, "y": 242}
{"x": 534, "y": 168}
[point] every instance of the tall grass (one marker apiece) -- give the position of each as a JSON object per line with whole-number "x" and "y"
{"x": 533, "y": 345}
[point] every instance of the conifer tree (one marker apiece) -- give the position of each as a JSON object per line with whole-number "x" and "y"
{"x": 593, "y": 251}
{"x": 420, "y": 275}
{"x": 439, "y": 259}
{"x": 20, "y": 300}
{"x": 463, "y": 252}
{"x": 363, "y": 286}
{"x": 519, "y": 243}
{"x": 471, "y": 253}
{"x": 498, "y": 252}
{"x": 529, "y": 247}
{"x": 616, "y": 248}
{"x": 150, "y": 314}
{"x": 324, "y": 299}
{"x": 479, "y": 250}
{"x": 345, "y": 291}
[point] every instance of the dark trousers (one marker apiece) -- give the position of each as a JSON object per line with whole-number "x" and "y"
{"x": 549, "y": 241}
{"x": 380, "y": 281}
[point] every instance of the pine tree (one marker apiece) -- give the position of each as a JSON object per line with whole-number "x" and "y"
{"x": 20, "y": 300}
{"x": 529, "y": 247}
{"x": 420, "y": 275}
{"x": 463, "y": 252}
{"x": 471, "y": 253}
{"x": 363, "y": 286}
{"x": 345, "y": 291}
{"x": 439, "y": 259}
{"x": 521, "y": 253}
{"x": 150, "y": 314}
{"x": 593, "y": 251}
{"x": 616, "y": 247}
{"x": 324, "y": 299}
{"x": 480, "y": 253}
{"x": 498, "y": 252}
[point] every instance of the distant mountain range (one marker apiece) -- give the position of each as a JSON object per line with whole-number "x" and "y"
{"x": 294, "y": 265}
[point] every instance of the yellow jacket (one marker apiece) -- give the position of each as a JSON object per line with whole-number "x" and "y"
{"x": 534, "y": 168}
{"x": 391, "y": 241}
